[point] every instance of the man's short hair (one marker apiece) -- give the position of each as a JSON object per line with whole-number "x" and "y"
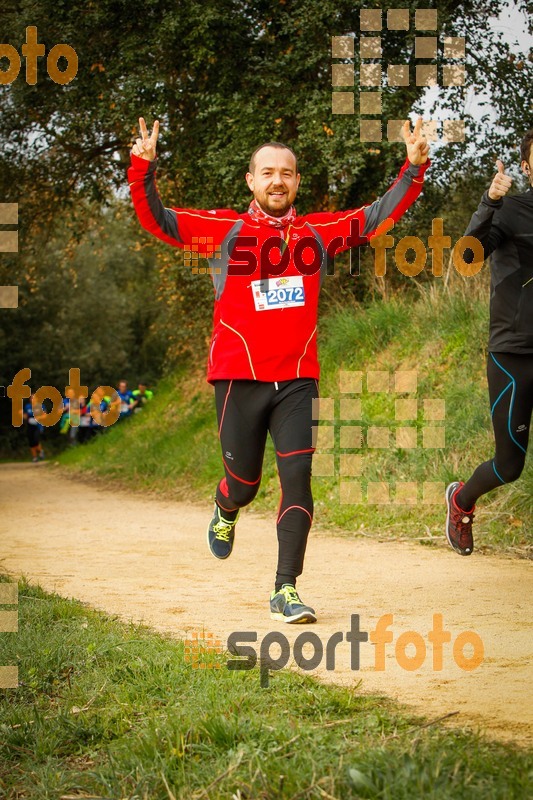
{"x": 279, "y": 145}
{"x": 525, "y": 146}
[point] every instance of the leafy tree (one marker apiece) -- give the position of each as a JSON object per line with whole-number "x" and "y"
{"x": 222, "y": 76}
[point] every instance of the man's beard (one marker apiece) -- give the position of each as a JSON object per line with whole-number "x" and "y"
{"x": 278, "y": 211}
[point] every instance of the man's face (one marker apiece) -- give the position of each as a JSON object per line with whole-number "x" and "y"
{"x": 122, "y": 387}
{"x": 274, "y": 181}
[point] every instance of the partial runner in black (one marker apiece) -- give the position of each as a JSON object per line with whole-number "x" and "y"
{"x": 504, "y": 226}
{"x": 510, "y": 378}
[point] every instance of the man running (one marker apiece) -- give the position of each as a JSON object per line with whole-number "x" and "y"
{"x": 267, "y": 267}
{"x": 34, "y": 430}
{"x": 141, "y": 396}
{"x": 126, "y": 400}
{"x": 504, "y": 226}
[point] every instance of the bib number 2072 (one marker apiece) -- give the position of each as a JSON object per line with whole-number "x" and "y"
{"x": 278, "y": 293}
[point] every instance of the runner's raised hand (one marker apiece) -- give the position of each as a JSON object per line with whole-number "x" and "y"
{"x": 501, "y": 183}
{"x": 144, "y": 146}
{"x": 415, "y": 142}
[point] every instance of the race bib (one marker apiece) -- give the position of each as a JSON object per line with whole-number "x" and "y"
{"x": 281, "y": 292}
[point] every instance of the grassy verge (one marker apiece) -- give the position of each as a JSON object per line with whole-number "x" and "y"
{"x": 172, "y": 447}
{"x": 110, "y": 710}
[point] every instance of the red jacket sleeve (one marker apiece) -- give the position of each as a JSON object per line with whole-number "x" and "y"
{"x": 356, "y": 227}
{"x": 176, "y": 226}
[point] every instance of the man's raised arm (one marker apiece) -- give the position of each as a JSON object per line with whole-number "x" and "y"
{"x": 487, "y": 226}
{"x": 179, "y": 227}
{"x": 342, "y": 230}
{"x": 407, "y": 185}
{"x": 152, "y": 214}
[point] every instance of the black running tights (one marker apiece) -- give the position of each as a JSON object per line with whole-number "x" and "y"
{"x": 510, "y": 378}
{"x": 247, "y": 411}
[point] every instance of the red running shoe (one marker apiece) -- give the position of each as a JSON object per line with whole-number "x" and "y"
{"x": 459, "y": 522}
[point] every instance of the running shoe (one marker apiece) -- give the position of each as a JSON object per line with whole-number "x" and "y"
{"x": 221, "y": 533}
{"x": 287, "y": 606}
{"x": 459, "y": 522}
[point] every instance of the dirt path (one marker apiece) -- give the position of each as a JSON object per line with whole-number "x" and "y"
{"x": 147, "y": 559}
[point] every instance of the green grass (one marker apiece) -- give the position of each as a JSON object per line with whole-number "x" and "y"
{"x": 112, "y": 710}
{"x": 172, "y": 448}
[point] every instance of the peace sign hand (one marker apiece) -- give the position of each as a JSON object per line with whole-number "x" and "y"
{"x": 415, "y": 141}
{"x": 144, "y": 146}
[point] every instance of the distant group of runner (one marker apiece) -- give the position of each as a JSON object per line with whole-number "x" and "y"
{"x": 78, "y": 421}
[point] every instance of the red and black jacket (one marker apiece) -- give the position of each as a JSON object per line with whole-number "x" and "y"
{"x": 266, "y": 280}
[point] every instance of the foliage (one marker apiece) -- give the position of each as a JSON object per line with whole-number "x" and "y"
{"x": 87, "y": 301}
